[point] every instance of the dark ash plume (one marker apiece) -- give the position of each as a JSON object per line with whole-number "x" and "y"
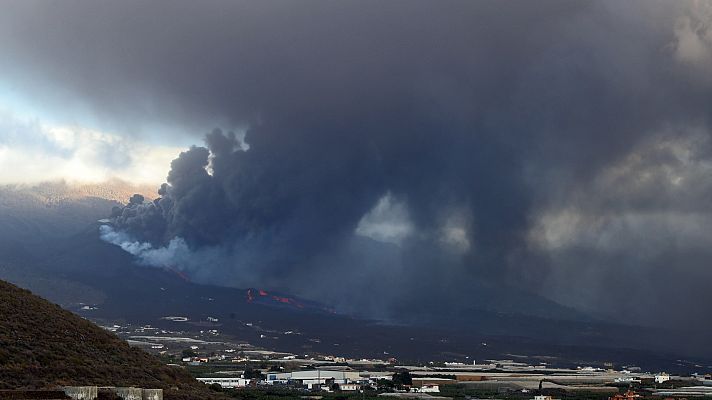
{"x": 416, "y": 154}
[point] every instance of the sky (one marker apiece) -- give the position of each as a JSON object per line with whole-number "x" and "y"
{"x": 34, "y": 149}
{"x": 458, "y": 149}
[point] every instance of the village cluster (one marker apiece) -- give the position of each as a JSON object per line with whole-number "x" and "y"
{"x": 501, "y": 376}
{"x": 220, "y": 361}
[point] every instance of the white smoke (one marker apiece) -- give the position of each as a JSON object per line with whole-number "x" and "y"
{"x": 176, "y": 255}
{"x": 147, "y": 254}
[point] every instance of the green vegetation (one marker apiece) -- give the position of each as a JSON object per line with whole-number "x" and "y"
{"x": 188, "y": 353}
{"x": 402, "y": 378}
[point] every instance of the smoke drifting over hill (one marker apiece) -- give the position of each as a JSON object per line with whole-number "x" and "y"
{"x": 405, "y": 154}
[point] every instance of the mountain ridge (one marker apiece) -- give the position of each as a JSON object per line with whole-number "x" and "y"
{"x": 44, "y": 346}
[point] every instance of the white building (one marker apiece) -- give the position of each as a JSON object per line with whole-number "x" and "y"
{"x": 375, "y": 376}
{"x": 627, "y": 379}
{"x": 426, "y": 388}
{"x": 314, "y": 378}
{"x": 227, "y": 383}
{"x": 350, "y": 387}
{"x": 662, "y": 377}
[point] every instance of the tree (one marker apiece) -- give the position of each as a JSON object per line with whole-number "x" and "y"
{"x": 251, "y": 373}
{"x": 385, "y": 384}
{"x": 402, "y": 378}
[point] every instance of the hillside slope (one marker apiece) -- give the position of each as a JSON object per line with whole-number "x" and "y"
{"x": 42, "y": 345}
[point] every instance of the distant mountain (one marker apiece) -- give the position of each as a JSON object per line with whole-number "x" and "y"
{"x": 52, "y": 193}
{"x": 32, "y": 214}
{"x": 37, "y": 220}
{"x": 42, "y": 345}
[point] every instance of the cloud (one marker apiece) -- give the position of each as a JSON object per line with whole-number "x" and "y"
{"x": 32, "y": 151}
{"x": 693, "y": 38}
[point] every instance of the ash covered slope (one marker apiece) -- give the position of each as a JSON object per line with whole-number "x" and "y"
{"x": 42, "y": 345}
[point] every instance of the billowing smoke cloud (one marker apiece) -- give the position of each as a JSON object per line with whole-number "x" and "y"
{"x": 401, "y": 155}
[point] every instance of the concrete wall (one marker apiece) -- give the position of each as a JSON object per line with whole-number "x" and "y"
{"x": 126, "y": 393}
{"x": 33, "y": 394}
{"x": 152, "y": 394}
{"x": 129, "y": 393}
{"x": 81, "y": 392}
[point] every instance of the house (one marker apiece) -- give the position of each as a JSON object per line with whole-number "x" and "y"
{"x": 662, "y": 377}
{"x": 350, "y": 387}
{"x": 429, "y": 385}
{"x": 627, "y": 379}
{"x": 375, "y": 376}
{"x": 426, "y": 388}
